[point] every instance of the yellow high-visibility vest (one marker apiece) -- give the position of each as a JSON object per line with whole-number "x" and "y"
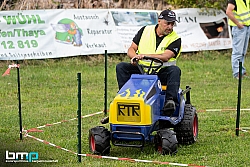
{"x": 242, "y": 14}
{"x": 147, "y": 45}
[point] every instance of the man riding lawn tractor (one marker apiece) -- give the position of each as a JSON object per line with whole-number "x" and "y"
{"x": 142, "y": 105}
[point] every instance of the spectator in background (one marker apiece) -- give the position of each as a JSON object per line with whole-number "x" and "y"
{"x": 239, "y": 19}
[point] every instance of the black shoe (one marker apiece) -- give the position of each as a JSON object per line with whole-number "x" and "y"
{"x": 105, "y": 120}
{"x": 169, "y": 108}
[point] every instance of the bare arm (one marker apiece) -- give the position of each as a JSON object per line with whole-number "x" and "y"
{"x": 132, "y": 50}
{"x": 229, "y": 12}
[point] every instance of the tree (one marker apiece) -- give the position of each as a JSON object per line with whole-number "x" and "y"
{"x": 217, "y": 4}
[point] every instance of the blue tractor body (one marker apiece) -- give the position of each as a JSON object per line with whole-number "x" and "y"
{"x": 150, "y": 89}
{"x": 136, "y": 117}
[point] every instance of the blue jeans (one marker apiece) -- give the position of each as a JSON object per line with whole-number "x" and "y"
{"x": 169, "y": 76}
{"x": 239, "y": 48}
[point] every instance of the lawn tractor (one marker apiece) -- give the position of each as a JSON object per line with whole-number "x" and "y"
{"x": 136, "y": 116}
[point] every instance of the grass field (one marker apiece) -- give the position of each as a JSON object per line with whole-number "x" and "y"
{"x": 49, "y": 95}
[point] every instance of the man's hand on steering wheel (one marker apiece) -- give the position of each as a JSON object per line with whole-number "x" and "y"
{"x": 151, "y": 68}
{"x": 136, "y": 58}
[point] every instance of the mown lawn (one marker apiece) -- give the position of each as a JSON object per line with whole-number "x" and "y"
{"x": 49, "y": 95}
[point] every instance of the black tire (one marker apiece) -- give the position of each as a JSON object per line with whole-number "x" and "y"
{"x": 187, "y": 129}
{"x": 99, "y": 140}
{"x": 166, "y": 142}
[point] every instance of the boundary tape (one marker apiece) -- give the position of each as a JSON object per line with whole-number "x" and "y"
{"x": 46, "y": 125}
{"x": 225, "y": 109}
{"x": 100, "y": 112}
{"x": 110, "y": 157}
{"x": 244, "y": 129}
{"x": 51, "y": 144}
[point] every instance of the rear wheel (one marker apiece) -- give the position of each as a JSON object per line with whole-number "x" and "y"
{"x": 99, "y": 140}
{"x": 187, "y": 129}
{"x": 166, "y": 142}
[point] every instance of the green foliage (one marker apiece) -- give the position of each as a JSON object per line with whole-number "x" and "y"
{"x": 49, "y": 95}
{"x": 217, "y": 4}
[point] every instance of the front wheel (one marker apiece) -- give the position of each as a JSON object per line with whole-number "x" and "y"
{"x": 187, "y": 129}
{"x": 166, "y": 142}
{"x": 99, "y": 140}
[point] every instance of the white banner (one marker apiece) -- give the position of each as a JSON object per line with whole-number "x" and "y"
{"x": 41, "y": 34}
{"x": 203, "y": 30}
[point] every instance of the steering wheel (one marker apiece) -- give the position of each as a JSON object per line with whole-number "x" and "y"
{"x": 152, "y": 68}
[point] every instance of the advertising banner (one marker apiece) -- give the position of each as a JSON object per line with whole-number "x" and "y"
{"x": 203, "y": 29}
{"x": 42, "y": 34}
